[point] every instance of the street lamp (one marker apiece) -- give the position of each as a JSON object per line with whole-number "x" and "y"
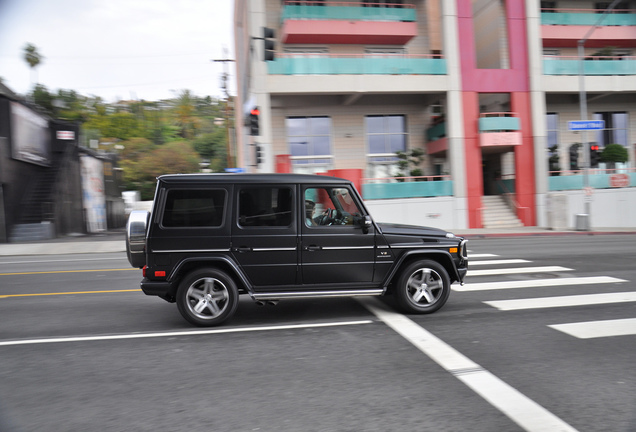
{"x": 583, "y": 110}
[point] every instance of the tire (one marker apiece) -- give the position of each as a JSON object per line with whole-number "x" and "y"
{"x": 207, "y": 297}
{"x": 423, "y": 287}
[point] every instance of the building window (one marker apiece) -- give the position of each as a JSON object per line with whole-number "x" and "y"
{"x": 552, "y": 120}
{"x": 309, "y": 141}
{"x": 616, "y": 128}
{"x": 548, "y": 6}
{"x": 386, "y": 135}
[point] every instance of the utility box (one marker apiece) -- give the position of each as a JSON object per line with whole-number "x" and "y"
{"x": 558, "y": 212}
{"x": 582, "y": 222}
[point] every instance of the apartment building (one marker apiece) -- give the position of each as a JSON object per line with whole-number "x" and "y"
{"x": 480, "y": 94}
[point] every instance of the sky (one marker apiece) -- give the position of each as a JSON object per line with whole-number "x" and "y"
{"x": 119, "y": 49}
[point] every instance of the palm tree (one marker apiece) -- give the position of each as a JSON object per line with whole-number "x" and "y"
{"x": 33, "y": 58}
{"x": 185, "y": 113}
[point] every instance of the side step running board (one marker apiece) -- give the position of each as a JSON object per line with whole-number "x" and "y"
{"x": 316, "y": 294}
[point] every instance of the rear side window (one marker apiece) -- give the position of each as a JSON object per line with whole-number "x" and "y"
{"x": 194, "y": 208}
{"x": 265, "y": 206}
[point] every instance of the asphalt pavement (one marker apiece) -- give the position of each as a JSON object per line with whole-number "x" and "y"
{"x": 115, "y": 241}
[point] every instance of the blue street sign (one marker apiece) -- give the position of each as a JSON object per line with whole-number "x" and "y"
{"x": 235, "y": 170}
{"x": 578, "y": 125}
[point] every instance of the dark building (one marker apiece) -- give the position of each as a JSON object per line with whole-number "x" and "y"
{"x": 50, "y": 186}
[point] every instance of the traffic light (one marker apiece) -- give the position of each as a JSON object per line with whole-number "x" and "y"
{"x": 268, "y": 44}
{"x": 595, "y": 157}
{"x": 254, "y": 127}
{"x": 574, "y": 157}
{"x": 258, "y": 154}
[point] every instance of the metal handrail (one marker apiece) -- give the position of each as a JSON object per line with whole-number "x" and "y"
{"x": 512, "y": 201}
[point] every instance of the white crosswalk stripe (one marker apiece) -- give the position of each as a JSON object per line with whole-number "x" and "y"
{"x": 499, "y": 262}
{"x": 563, "y": 301}
{"x": 536, "y": 283}
{"x": 597, "y": 329}
{"x": 503, "y": 271}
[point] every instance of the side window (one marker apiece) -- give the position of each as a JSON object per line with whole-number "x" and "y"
{"x": 330, "y": 206}
{"x": 194, "y": 208}
{"x": 265, "y": 206}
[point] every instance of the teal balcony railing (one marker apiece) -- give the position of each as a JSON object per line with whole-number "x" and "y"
{"x": 597, "y": 179}
{"x": 499, "y": 121}
{"x": 587, "y": 17}
{"x": 369, "y": 11}
{"x": 436, "y": 132}
{"x": 407, "y": 187}
{"x": 599, "y": 65}
{"x": 329, "y": 64}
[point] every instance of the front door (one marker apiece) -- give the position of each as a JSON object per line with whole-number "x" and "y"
{"x": 334, "y": 247}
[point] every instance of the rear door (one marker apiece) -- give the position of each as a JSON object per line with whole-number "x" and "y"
{"x": 334, "y": 248}
{"x": 264, "y": 235}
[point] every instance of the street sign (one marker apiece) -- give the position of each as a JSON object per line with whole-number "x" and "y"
{"x": 578, "y": 125}
{"x": 619, "y": 180}
{"x": 235, "y": 170}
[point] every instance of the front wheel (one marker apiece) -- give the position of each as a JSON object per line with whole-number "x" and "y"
{"x": 207, "y": 297}
{"x": 423, "y": 287}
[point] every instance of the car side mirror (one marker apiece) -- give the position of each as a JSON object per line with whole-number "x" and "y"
{"x": 366, "y": 224}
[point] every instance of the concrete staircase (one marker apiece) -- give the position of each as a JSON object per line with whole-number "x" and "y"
{"x": 497, "y": 214}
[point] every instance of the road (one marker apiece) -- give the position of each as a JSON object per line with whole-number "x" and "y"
{"x": 83, "y": 349}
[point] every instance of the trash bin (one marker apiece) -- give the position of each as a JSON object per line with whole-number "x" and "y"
{"x": 582, "y": 222}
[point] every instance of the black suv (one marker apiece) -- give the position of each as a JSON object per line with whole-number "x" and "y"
{"x": 211, "y": 237}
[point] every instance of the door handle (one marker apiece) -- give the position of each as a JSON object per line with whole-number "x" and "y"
{"x": 242, "y": 249}
{"x": 312, "y": 248}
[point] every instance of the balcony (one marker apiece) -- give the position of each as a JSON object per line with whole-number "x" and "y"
{"x": 564, "y": 27}
{"x": 347, "y": 23}
{"x": 347, "y": 64}
{"x": 597, "y": 65}
{"x": 407, "y": 187}
{"x": 498, "y": 121}
{"x": 499, "y": 129}
{"x": 587, "y": 17}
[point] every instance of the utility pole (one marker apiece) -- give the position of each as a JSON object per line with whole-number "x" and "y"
{"x": 583, "y": 111}
{"x": 224, "y": 79}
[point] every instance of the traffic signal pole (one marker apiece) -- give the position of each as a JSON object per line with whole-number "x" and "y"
{"x": 583, "y": 110}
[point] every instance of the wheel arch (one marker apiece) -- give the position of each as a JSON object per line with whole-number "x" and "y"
{"x": 443, "y": 258}
{"x": 224, "y": 264}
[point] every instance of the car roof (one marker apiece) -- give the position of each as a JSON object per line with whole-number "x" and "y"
{"x": 251, "y": 178}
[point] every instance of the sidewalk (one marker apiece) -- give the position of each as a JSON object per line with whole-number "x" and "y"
{"x": 115, "y": 241}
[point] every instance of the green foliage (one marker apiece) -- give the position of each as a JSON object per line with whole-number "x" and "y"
{"x": 140, "y": 172}
{"x": 150, "y": 137}
{"x": 613, "y": 153}
{"x": 410, "y": 162}
{"x": 32, "y": 56}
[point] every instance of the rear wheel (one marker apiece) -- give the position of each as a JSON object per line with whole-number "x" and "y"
{"x": 423, "y": 287}
{"x": 207, "y": 297}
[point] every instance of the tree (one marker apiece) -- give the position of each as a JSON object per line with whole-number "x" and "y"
{"x": 185, "y": 118}
{"x": 33, "y": 58}
{"x": 613, "y": 153}
{"x": 141, "y": 172}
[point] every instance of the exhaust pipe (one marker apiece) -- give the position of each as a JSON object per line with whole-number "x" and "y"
{"x": 259, "y": 303}
{"x": 272, "y": 302}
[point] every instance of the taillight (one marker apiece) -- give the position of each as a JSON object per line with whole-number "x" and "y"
{"x": 143, "y": 271}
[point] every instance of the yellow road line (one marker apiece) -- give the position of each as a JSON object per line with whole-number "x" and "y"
{"x": 65, "y": 271}
{"x": 67, "y": 293}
